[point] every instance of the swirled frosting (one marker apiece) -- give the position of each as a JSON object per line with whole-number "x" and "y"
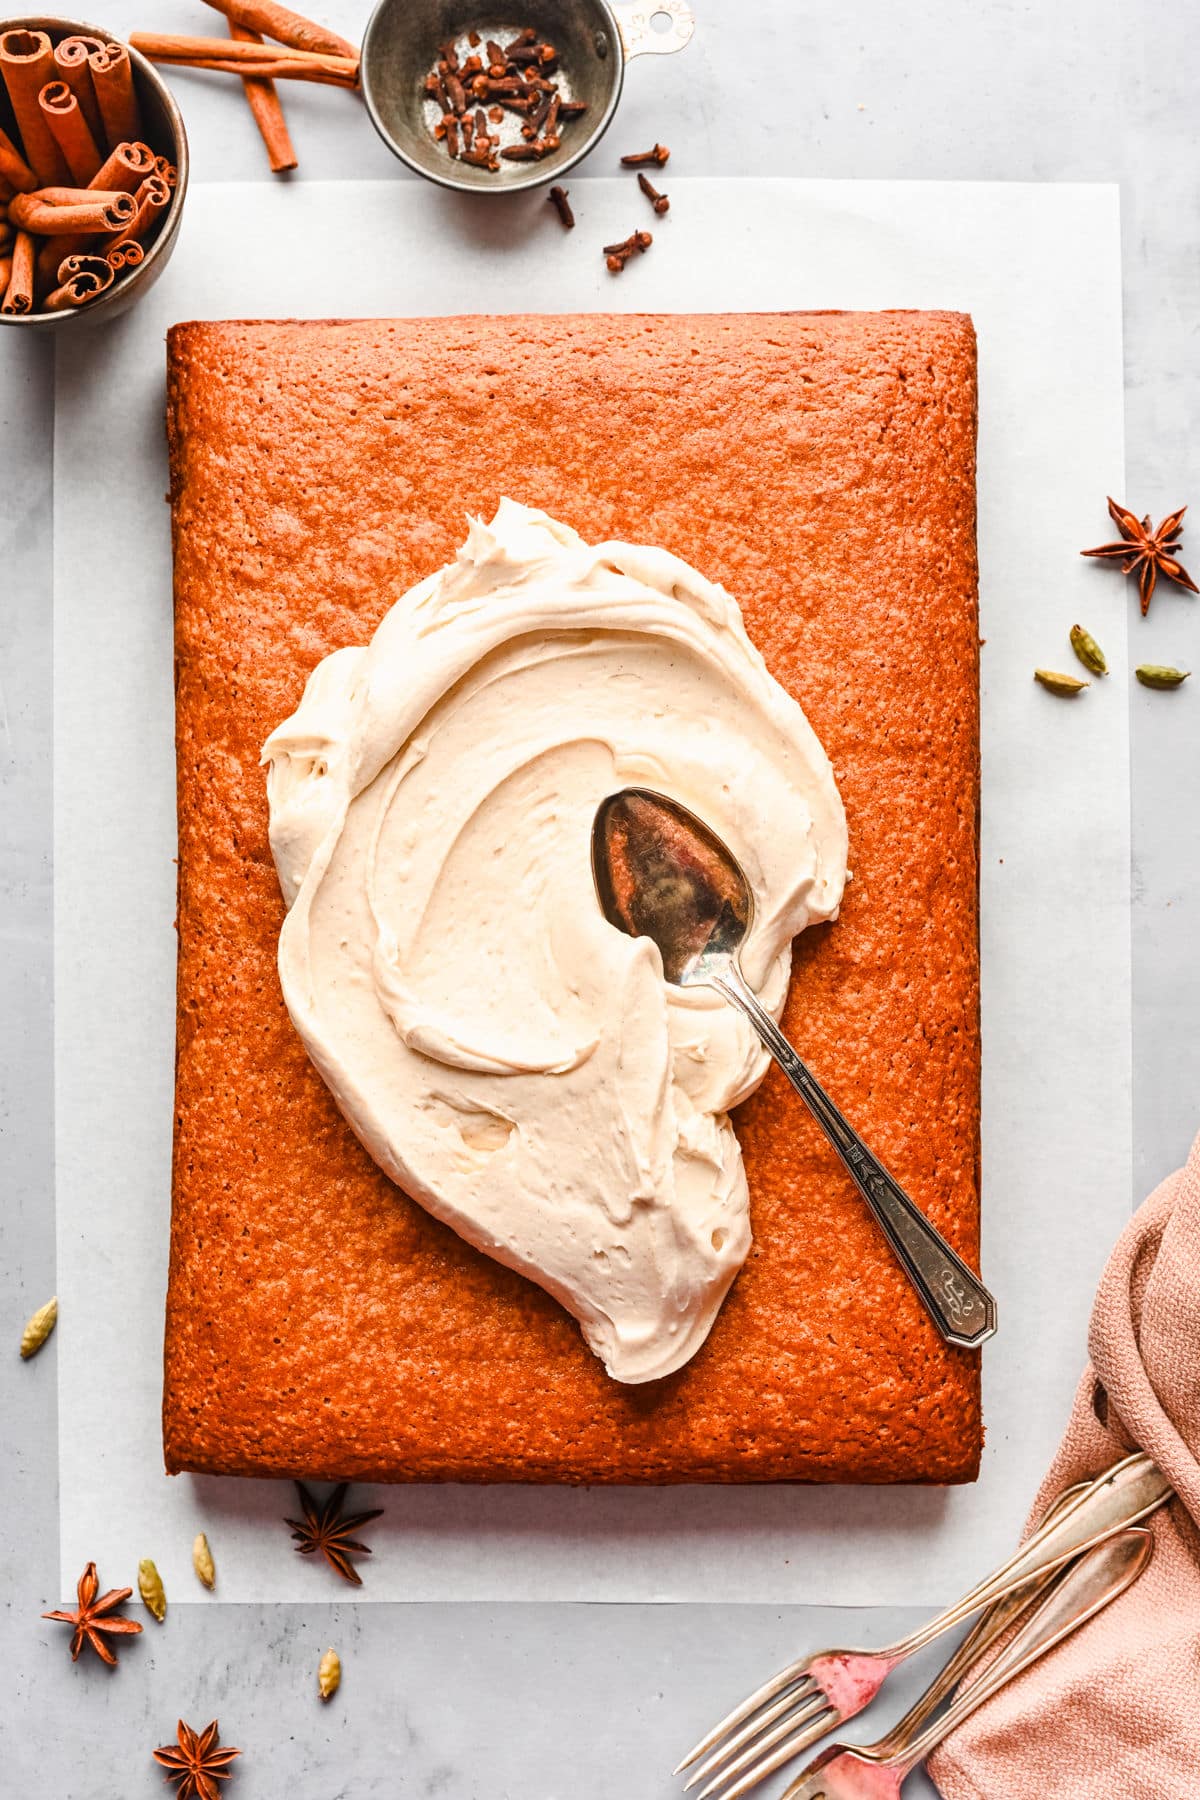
{"x": 515, "y": 1063}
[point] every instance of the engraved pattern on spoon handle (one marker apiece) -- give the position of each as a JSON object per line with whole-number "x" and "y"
{"x": 957, "y": 1301}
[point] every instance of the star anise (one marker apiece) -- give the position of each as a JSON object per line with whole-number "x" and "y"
{"x": 91, "y": 1619}
{"x": 325, "y": 1529}
{"x": 1151, "y": 553}
{"x": 196, "y": 1763}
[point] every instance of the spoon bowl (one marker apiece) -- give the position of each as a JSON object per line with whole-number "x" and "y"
{"x": 662, "y": 873}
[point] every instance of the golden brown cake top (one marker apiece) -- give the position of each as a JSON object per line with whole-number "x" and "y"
{"x": 821, "y": 467}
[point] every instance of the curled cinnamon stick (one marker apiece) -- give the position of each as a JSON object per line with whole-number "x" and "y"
{"x": 152, "y": 200}
{"x": 173, "y": 45}
{"x": 327, "y": 73}
{"x": 73, "y": 196}
{"x": 81, "y": 278}
{"x": 112, "y": 79}
{"x": 7, "y": 234}
{"x": 26, "y": 65}
{"x": 126, "y": 167}
{"x": 63, "y": 114}
{"x": 71, "y": 65}
{"x": 125, "y": 255}
{"x": 266, "y": 61}
{"x": 5, "y": 273}
{"x": 99, "y": 213}
{"x": 263, "y": 100}
{"x": 15, "y": 171}
{"x": 273, "y": 21}
{"x": 18, "y": 294}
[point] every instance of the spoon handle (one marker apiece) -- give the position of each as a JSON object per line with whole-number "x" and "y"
{"x": 955, "y": 1298}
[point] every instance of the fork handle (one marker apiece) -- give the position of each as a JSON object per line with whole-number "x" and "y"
{"x": 952, "y": 1294}
{"x": 1088, "y": 1586}
{"x": 988, "y": 1630}
{"x": 1121, "y": 1496}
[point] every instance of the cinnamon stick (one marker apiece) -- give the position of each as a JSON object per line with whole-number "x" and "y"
{"x": 152, "y": 200}
{"x": 286, "y": 27}
{"x": 18, "y": 294}
{"x": 26, "y": 65}
{"x": 16, "y": 172}
{"x": 112, "y": 79}
{"x": 126, "y": 167}
{"x": 125, "y": 255}
{"x": 266, "y": 61}
{"x": 267, "y": 108}
{"x": 5, "y": 273}
{"x": 69, "y": 129}
{"x": 175, "y": 44}
{"x": 7, "y": 234}
{"x": 344, "y": 74}
{"x": 71, "y": 65}
{"x": 81, "y": 279}
{"x": 115, "y": 212}
{"x": 73, "y": 196}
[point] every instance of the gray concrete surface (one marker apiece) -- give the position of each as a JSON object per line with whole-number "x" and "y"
{"x": 531, "y": 1701}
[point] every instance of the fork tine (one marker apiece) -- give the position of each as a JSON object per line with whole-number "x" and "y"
{"x": 795, "y": 1672}
{"x": 793, "y": 1710}
{"x": 785, "y": 1752}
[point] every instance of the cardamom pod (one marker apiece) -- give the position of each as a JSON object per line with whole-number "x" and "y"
{"x": 1088, "y": 650}
{"x": 150, "y": 1587}
{"x": 1157, "y": 675}
{"x": 329, "y": 1674}
{"x": 39, "y": 1328}
{"x": 1067, "y": 685}
{"x": 202, "y": 1562}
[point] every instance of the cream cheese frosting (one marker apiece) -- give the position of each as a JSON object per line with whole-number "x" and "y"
{"x": 514, "y": 1062}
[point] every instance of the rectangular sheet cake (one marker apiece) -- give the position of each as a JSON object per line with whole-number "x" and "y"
{"x": 821, "y": 466}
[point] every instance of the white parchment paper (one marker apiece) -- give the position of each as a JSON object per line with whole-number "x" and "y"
{"x": 1038, "y": 267}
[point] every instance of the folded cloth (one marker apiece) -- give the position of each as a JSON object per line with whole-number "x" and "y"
{"x": 1116, "y": 1709}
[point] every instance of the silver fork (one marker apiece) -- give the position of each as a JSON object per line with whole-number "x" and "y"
{"x": 877, "y": 1771}
{"x": 811, "y": 1697}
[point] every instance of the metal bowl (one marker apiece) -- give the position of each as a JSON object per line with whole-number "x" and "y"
{"x": 594, "y": 39}
{"x": 163, "y": 130}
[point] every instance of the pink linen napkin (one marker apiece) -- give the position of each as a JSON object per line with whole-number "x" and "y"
{"x": 1116, "y": 1709}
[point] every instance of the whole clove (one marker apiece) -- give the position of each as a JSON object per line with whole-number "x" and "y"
{"x": 617, "y": 255}
{"x": 534, "y": 53}
{"x": 562, "y": 206}
{"x": 659, "y": 201}
{"x": 640, "y": 158}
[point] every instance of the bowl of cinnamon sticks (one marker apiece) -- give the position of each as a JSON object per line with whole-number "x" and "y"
{"x": 93, "y": 173}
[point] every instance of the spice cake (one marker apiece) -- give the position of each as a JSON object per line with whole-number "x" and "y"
{"x": 819, "y": 466}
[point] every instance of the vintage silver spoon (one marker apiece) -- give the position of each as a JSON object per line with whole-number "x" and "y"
{"x": 661, "y": 873}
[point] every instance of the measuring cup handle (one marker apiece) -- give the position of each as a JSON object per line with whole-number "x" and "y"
{"x": 638, "y": 37}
